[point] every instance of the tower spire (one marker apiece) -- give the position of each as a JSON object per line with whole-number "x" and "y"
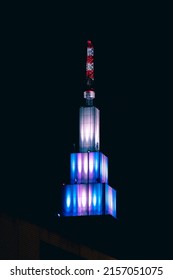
{"x": 90, "y": 65}
{"x": 89, "y": 94}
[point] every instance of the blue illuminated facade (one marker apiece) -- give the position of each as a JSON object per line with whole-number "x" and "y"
{"x": 89, "y": 199}
{"x": 88, "y": 192}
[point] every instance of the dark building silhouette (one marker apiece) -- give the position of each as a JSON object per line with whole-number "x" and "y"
{"x": 21, "y": 239}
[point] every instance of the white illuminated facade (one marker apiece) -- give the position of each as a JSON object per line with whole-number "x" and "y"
{"x": 89, "y": 129}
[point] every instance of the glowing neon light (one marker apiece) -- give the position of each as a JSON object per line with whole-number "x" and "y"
{"x": 94, "y": 200}
{"x": 68, "y": 201}
{"x": 91, "y": 163}
{"x": 85, "y": 163}
{"x": 79, "y": 163}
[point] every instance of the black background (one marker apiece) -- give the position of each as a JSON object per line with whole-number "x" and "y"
{"x": 44, "y": 53}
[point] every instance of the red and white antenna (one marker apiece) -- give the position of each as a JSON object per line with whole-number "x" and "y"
{"x": 90, "y": 64}
{"x": 89, "y": 94}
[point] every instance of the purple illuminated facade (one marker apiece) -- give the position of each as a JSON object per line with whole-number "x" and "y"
{"x": 88, "y": 192}
{"x": 90, "y": 166}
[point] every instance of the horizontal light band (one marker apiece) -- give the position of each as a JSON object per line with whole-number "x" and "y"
{"x": 91, "y": 167}
{"x": 92, "y": 199}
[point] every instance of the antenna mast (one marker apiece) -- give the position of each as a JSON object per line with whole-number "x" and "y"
{"x": 89, "y": 94}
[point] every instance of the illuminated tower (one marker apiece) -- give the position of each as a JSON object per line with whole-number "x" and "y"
{"x": 88, "y": 192}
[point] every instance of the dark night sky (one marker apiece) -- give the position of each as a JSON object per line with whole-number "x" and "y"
{"x": 44, "y": 75}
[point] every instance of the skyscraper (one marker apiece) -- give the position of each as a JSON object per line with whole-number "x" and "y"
{"x": 88, "y": 192}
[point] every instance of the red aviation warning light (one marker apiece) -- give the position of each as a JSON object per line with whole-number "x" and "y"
{"x": 90, "y": 64}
